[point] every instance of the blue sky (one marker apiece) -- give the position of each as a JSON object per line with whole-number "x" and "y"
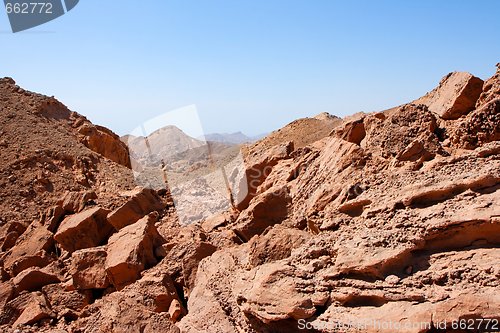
{"x": 248, "y": 65}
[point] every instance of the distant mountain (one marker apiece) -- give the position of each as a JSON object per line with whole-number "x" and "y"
{"x": 164, "y": 142}
{"x": 231, "y": 138}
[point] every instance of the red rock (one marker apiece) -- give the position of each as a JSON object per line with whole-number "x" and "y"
{"x": 131, "y": 250}
{"x": 33, "y": 243}
{"x": 105, "y": 142}
{"x": 191, "y": 259}
{"x": 7, "y": 292}
{"x": 142, "y": 202}
{"x": 175, "y": 310}
{"x": 276, "y": 244}
{"x": 53, "y": 218}
{"x": 491, "y": 89}
{"x": 83, "y": 230}
{"x": 265, "y": 210}
{"x": 62, "y": 300}
{"x": 142, "y": 306}
{"x": 40, "y": 260}
{"x": 10, "y": 240}
{"x": 478, "y": 127}
{"x": 403, "y": 131}
{"x": 261, "y": 294}
{"x": 33, "y": 279}
{"x": 36, "y": 310}
{"x": 75, "y": 202}
{"x": 455, "y": 96}
{"x": 257, "y": 171}
{"x": 87, "y": 268}
{"x": 25, "y": 309}
{"x": 351, "y": 130}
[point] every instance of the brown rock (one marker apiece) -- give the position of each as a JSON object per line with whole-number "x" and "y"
{"x": 191, "y": 260}
{"x": 260, "y": 293}
{"x": 407, "y": 133}
{"x": 455, "y": 96}
{"x": 265, "y": 210}
{"x": 491, "y": 89}
{"x": 33, "y": 279}
{"x": 10, "y": 240}
{"x": 32, "y": 244}
{"x": 7, "y": 292}
{"x": 36, "y": 310}
{"x": 175, "y": 310}
{"x": 217, "y": 221}
{"x": 40, "y": 260}
{"x": 257, "y": 171}
{"x": 276, "y": 244}
{"x": 140, "y": 307}
{"x": 103, "y": 141}
{"x": 131, "y": 250}
{"x": 75, "y": 202}
{"x": 478, "y": 127}
{"x": 62, "y": 300}
{"x": 25, "y": 309}
{"x": 53, "y": 218}
{"x": 87, "y": 268}
{"x": 351, "y": 130}
{"x": 83, "y": 230}
{"x": 142, "y": 202}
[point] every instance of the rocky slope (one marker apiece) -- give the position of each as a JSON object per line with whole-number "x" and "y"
{"x": 381, "y": 222}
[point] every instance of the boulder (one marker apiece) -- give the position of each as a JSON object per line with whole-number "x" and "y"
{"x": 143, "y": 306}
{"x": 131, "y": 250}
{"x": 83, "y": 230}
{"x": 39, "y": 260}
{"x": 265, "y": 210}
{"x": 258, "y": 167}
{"x": 33, "y": 279}
{"x": 455, "y": 96}
{"x": 491, "y": 89}
{"x": 351, "y": 130}
{"x": 87, "y": 268}
{"x": 190, "y": 262}
{"x": 37, "y": 309}
{"x": 10, "y": 240}
{"x": 7, "y": 292}
{"x": 276, "y": 244}
{"x": 35, "y": 241}
{"x": 75, "y": 202}
{"x": 408, "y": 133}
{"x": 261, "y": 290}
{"x": 142, "y": 201}
{"x": 25, "y": 309}
{"x": 52, "y": 218}
{"x": 104, "y": 142}
{"x": 62, "y": 300}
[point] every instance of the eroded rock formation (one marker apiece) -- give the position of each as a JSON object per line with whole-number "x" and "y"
{"x": 386, "y": 217}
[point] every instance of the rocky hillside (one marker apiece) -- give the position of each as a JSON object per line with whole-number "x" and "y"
{"x": 381, "y": 222}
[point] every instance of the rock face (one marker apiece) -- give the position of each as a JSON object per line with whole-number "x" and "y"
{"x": 389, "y": 209}
{"x": 83, "y": 230}
{"x": 131, "y": 250}
{"x": 381, "y": 218}
{"x": 455, "y": 96}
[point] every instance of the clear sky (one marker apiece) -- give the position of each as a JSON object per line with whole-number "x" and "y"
{"x": 249, "y": 65}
